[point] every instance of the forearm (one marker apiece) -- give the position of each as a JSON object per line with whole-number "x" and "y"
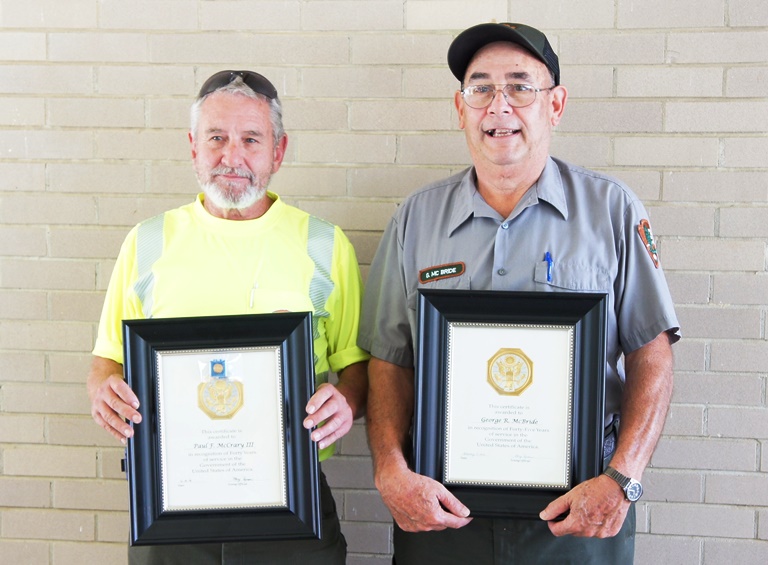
{"x": 353, "y": 384}
{"x": 390, "y": 409}
{"x": 597, "y": 507}
{"x": 644, "y": 406}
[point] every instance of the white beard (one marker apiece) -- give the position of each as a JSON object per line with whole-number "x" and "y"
{"x": 224, "y": 196}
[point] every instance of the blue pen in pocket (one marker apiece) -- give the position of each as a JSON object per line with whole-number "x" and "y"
{"x": 548, "y": 259}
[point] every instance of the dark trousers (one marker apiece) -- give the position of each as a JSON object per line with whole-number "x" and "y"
{"x": 507, "y": 541}
{"x": 330, "y": 550}
{"x": 501, "y": 541}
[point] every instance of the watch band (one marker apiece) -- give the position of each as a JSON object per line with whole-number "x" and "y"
{"x": 633, "y": 490}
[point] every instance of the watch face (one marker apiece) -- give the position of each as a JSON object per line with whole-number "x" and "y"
{"x": 634, "y": 491}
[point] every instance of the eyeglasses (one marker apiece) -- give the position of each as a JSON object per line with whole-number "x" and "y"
{"x": 255, "y": 81}
{"x": 516, "y": 95}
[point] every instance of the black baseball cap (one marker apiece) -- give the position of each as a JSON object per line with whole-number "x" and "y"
{"x": 471, "y": 40}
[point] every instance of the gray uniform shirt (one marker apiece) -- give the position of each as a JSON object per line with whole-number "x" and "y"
{"x": 594, "y": 228}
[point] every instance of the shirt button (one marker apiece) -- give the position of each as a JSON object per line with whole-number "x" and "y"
{"x": 502, "y": 272}
{"x": 505, "y": 226}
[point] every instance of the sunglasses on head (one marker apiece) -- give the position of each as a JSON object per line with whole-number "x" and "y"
{"x": 255, "y": 81}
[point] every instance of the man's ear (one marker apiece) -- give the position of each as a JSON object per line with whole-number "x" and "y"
{"x": 192, "y": 145}
{"x": 279, "y": 153}
{"x": 458, "y": 101}
{"x": 559, "y": 100}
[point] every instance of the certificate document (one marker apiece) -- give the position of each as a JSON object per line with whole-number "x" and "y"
{"x": 509, "y": 405}
{"x": 221, "y": 429}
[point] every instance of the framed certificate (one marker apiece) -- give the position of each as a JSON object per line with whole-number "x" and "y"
{"x": 221, "y": 454}
{"x": 509, "y": 395}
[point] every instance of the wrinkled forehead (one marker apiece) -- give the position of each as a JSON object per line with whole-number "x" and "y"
{"x": 225, "y": 110}
{"x": 506, "y": 60}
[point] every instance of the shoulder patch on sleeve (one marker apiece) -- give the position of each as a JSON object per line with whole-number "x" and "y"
{"x": 646, "y": 236}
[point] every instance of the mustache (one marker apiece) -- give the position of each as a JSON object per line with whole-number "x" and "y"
{"x": 244, "y": 173}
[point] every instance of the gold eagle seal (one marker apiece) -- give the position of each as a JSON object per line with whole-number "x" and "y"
{"x": 219, "y": 397}
{"x": 510, "y": 371}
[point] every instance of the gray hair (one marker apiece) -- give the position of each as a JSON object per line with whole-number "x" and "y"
{"x": 237, "y": 86}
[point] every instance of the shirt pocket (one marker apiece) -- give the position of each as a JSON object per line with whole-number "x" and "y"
{"x": 576, "y": 277}
{"x": 451, "y": 283}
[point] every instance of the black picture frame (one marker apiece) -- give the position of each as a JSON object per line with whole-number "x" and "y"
{"x": 586, "y": 313}
{"x": 291, "y": 333}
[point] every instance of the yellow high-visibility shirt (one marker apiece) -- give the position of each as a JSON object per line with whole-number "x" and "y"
{"x": 201, "y": 265}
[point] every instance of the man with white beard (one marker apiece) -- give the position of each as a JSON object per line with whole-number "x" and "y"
{"x": 239, "y": 249}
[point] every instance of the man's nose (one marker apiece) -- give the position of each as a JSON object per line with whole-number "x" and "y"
{"x": 499, "y": 104}
{"x": 232, "y": 154}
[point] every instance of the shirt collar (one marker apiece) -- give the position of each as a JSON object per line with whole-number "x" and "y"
{"x": 463, "y": 205}
{"x": 548, "y": 188}
{"x": 265, "y": 221}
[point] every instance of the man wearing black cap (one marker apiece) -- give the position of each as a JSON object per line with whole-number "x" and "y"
{"x": 239, "y": 249}
{"x": 519, "y": 220}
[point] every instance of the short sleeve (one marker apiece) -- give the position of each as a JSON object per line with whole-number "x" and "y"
{"x": 385, "y": 328}
{"x": 344, "y": 305}
{"x": 644, "y": 306}
{"x": 120, "y": 303}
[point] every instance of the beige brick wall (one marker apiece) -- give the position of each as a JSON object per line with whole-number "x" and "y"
{"x": 669, "y": 95}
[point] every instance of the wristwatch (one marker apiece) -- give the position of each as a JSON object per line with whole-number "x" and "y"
{"x": 633, "y": 490}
